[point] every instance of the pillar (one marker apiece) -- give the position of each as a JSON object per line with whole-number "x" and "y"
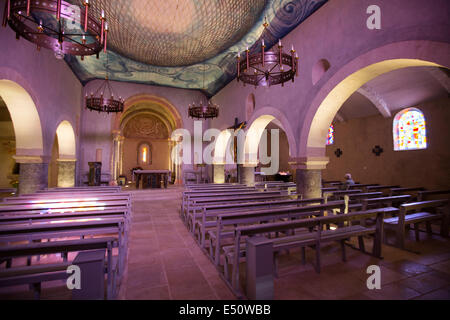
{"x": 117, "y": 155}
{"x": 247, "y": 174}
{"x": 66, "y": 172}
{"x": 309, "y": 175}
{"x": 33, "y": 173}
{"x": 219, "y": 173}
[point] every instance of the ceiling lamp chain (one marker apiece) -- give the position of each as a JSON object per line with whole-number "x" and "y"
{"x": 269, "y": 67}
{"x": 104, "y": 103}
{"x": 200, "y": 111}
{"x": 53, "y": 24}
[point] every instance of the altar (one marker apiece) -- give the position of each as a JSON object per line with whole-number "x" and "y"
{"x": 151, "y": 178}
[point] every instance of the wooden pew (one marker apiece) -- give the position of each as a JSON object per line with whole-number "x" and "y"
{"x": 187, "y": 194}
{"x": 225, "y": 223}
{"x": 59, "y": 207}
{"x": 381, "y": 188}
{"x": 393, "y": 201}
{"x": 335, "y": 195}
{"x": 315, "y": 237}
{"x": 196, "y": 205}
{"x": 416, "y": 213}
{"x": 87, "y": 189}
{"x": 411, "y": 191}
{"x": 191, "y": 200}
{"x": 433, "y": 195}
{"x": 55, "y": 198}
{"x": 207, "y": 217}
{"x": 37, "y": 275}
{"x": 57, "y": 229}
{"x": 361, "y": 186}
{"x": 334, "y": 182}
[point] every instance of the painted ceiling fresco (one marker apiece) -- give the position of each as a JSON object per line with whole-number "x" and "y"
{"x": 188, "y": 44}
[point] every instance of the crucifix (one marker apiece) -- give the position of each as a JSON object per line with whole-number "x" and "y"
{"x": 237, "y": 126}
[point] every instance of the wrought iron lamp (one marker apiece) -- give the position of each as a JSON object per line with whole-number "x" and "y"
{"x": 200, "y": 111}
{"x": 57, "y": 25}
{"x": 104, "y": 103}
{"x": 266, "y": 68}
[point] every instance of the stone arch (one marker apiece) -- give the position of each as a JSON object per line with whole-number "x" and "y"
{"x": 22, "y": 108}
{"x": 160, "y": 104}
{"x": 150, "y": 105}
{"x": 66, "y": 140}
{"x": 266, "y": 115}
{"x": 350, "y": 77}
{"x": 25, "y": 118}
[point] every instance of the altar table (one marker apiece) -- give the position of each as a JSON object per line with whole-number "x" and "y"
{"x": 151, "y": 178}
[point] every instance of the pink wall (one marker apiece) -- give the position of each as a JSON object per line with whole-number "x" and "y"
{"x": 97, "y": 128}
{"x": 51, "y": 84}
{"x": 429, "y": 168}
{"x": 337, "y": 32}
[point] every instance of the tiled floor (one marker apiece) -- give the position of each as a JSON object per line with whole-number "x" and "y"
{"x": 166, "y": 263}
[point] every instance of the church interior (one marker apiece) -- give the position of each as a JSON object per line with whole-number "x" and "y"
{"x": 224, "y": 150}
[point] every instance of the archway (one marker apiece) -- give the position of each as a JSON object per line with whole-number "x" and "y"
{"x": 270, "y": 126}
{"x": 28, "y": 136}
{"x": 63, "y": 157}
{"x": 145, "y": 126}
{"x": 341, "y": 85}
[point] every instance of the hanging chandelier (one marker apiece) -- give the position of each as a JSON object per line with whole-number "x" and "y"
{"x": 266, "y": 68}
{"x": 200, "y": 111}
{"x": 57, "y": 25}
{"x": 103, "y": 102}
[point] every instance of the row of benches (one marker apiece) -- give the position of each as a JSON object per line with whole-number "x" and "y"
{"x": 228, "y": 219}
{"x": 83, "y": 225}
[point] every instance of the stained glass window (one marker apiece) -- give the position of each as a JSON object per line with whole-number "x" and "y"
{"x": 330, "y": 136}
{"x": 409, "y": 130}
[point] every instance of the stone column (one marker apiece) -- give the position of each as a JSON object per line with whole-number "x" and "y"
{"x": 33, "y": 173}
{"x": 117, "y": 155}
{"x": 219, "y": 173}
{"x": 247, "y": 174}
{"x": 309, "y": 175}
{"x": 66, "y": 172}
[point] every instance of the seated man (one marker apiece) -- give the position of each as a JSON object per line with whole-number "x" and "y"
{"x": 348, "y": 181}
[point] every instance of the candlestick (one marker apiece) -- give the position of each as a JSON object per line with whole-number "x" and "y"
{"x": 58, "y": 10}
{"x": 86, "y": 5}
{"x": 28, "y": 7}
{"x": 248, "y": 64}
{"x": 106, "y": 34}
{"x": 102, "y": 18}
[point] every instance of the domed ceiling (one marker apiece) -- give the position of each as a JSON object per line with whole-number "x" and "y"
{"x": 188, "y": 44}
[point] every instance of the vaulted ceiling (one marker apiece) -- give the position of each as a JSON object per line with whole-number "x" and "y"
{"x": 396, "y": 90}
{"x": 185, "y": 43}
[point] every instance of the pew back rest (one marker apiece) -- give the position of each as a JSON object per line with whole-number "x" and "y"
{"x": 433, "y": 195}
{"x": 316, "y": 223}
{"x": 273, "y": 213}
{"x": 385, "y": 201}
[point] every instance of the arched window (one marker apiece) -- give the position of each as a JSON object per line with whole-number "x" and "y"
{"x": 409, "y": 130}
{"x": 330, "y": 136}
{"x": 144, "y": 155}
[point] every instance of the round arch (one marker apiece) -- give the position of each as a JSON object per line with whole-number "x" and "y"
{"x": 150, "y": 103}
{"x": 25, "y": 118}
{"x": 66, "y": 140}
{"x": 259, "y": 121}
{"x": 341, "y": 85}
